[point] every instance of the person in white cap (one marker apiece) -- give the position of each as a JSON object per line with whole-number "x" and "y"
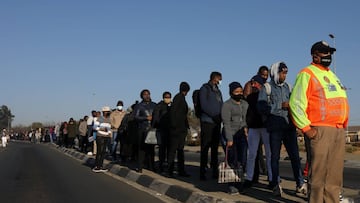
{"x": 102, "y": 127}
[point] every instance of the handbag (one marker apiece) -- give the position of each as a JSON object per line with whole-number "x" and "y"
{"x": 153, "y": 137}
{"x": 91, "y": 138}
{"x": 230, "y": 174}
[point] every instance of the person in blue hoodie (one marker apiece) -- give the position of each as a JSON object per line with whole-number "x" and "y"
{"x": 273, "y": 104}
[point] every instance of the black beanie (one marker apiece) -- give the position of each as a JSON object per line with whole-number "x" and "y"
{"x": 233, "y": 86}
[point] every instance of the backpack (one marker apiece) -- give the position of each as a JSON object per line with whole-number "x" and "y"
{"x": 196, "y": 99}
{"x": 196, "y": 102}
{"x": 268, "y": 90}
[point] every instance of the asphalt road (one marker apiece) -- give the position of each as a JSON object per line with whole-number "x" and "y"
{"x": 37, "y": 173}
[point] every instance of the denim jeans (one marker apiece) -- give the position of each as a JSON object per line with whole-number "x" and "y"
{"x": 101, "y": 143}
{"x": 255, "y": 134}
{"x": 114, "y": 145}
{"x": 289, "y": 139}
{"x": 238, "y": 152}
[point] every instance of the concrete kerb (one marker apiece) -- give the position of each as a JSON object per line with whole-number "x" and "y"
{"x": 175, "y": 192}
{"x": 172, "y": 191}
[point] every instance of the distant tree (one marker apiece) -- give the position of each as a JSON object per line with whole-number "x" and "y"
{"x": 21, "y": 128}
{"x": 6, "y": 117}
{"x": 36, "y": 125}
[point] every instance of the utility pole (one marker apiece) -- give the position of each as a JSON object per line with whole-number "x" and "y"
{"x": 334, "y": 45}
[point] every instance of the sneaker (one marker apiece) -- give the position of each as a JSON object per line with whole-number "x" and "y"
{"x": 341, "y": 196}
{"x": 233, "y": 190}
{"x": 347, "y": 200}
{"x": 277, "y": 191}
{"x": 302, "y": 189}
{"x": 90, "y": 153}
{"x": 96, "y": 170}
{"x": 103, "y": 170}
{"x": 247, "y": 184}
{"x": 203, "y": 178}
{"x": 184, "y": 174}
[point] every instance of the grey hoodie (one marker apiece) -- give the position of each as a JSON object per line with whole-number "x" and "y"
{"x": 234, "y": 117}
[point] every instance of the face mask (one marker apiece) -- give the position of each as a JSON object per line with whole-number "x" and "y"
{"x": 120, "y": 108}
{"x": 237, "y": 97}
{"x": 219, "y": 83}
{"x": 167, "y": 100}
{"x": 326, "y": 61}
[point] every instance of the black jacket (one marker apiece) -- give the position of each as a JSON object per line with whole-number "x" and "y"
{"x": 161, "y": 116}
{"x": 178, "y": 115}
{"x": 253, "y": 117}
{"x": 142, "y": 111}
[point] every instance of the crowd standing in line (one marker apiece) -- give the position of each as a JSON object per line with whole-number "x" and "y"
{"x": 265, "y": 114}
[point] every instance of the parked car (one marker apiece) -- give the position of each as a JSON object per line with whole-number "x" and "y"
{"x": 193, "y": 137}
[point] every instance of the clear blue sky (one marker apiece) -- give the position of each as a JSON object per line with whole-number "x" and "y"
{"x": 61, "y": 59}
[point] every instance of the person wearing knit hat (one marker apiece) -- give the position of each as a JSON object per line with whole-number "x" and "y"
{"x": 251, "y": 92}
{"x": 258, "y": 136}
{"x": 263, "y": 72}
{"x": 233, "y": 86}
{"x": 274, "y": 107}
{"x": 259, "y": 79}
{"x": 233, "y": 114}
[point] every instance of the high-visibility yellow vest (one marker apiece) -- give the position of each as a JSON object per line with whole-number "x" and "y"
{"x": 318, "y": 99}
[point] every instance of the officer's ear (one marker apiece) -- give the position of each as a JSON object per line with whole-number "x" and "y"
{"x": 316, "y": 58}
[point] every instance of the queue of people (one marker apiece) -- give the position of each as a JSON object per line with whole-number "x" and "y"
{"x": 262, "y": 115}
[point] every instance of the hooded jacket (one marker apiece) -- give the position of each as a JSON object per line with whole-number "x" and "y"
{"x": 211, "y": 103}
{"x": 277, "y": 118}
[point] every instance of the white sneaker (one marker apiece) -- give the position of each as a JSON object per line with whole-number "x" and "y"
{"x": 90, "y": 153}
{"x": 277, "y": 191}
{"x": 302, "y": 189}
{"x": 96, "y": 170}
{"x": 103, "y": 170}
{"x": 347, "y": 200}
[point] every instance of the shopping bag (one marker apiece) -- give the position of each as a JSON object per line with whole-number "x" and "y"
{"x": 91, "y": 138}
{"x": 230, "y": 173}
{"x": 153, "y": 137}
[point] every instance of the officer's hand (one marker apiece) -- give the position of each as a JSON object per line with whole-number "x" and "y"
{"x": 311, "y": 133}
